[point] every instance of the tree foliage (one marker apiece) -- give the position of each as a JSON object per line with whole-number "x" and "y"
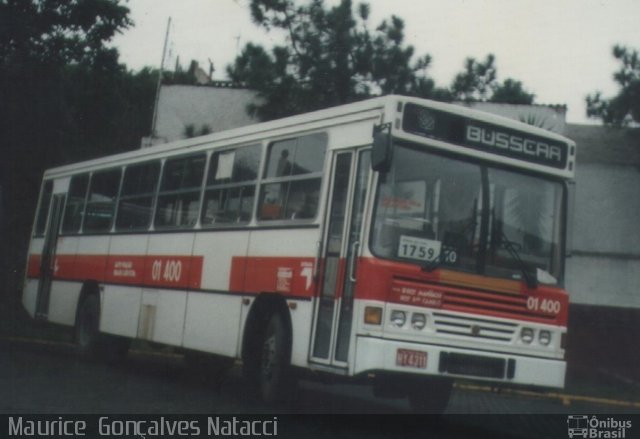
{"x": 624, "y": 107}
{"x": 331, "y": 57}
{"x": 478, "y": 82}
{"x": 512, "y": 92}
{"x": 64, "y": 96}
{"x": 58, "y": 31}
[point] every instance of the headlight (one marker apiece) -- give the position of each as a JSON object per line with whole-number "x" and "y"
{"x": 526, "y": 335}
{"x": 398, "y": 318}
{"x": 418, "y": 321}
{"x": 545, "y": 338}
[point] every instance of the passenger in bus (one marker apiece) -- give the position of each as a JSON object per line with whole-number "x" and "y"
{"x": 284, "y": 165}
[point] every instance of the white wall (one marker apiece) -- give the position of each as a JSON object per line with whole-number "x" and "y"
{"x": 218, "y": 108}
{"x": 605, "y": 266}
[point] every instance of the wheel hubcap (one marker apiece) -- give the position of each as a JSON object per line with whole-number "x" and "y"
{"x": 268, "y": 357}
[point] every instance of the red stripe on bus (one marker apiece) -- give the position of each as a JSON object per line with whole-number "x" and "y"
{"x": 382, "y": 280}
{"x": 170, "y": 271}
{"x": 33, "y": 265}
{"x": 289, "y": 276}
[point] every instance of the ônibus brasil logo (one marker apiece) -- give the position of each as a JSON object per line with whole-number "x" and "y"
{"x": 594, "y": 427}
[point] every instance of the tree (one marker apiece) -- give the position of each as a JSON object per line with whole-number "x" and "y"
{"x": 332, "y": 57}
{"x": 53, "y": 60}
{"x": 58, "y": 31}
{"x": 511, "y": 92}
{"x": 478, "y": 82}
{"x": 63, "y": 97}
{"x": 624, "y": 107}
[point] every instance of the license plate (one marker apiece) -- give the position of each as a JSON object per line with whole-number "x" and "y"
{"x": 409, "y": 358}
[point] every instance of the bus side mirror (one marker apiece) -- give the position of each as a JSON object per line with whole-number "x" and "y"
{"x": 382, "y": 148}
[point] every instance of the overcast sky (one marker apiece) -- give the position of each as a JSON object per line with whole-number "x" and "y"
{"x": 559, "y": 49}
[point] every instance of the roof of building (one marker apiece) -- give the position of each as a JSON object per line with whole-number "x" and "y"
{"x": 605, "y": 144}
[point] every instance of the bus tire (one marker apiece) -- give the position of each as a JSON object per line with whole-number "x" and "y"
{"x": 275, "y": 381}
{"x": 430, "y": 395}
{"x": 90, "y": 342}
{"x": 266, "y": 363}
{"x": 87, "y": 328}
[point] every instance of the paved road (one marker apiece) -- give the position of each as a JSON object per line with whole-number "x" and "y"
{"x": 48, "y": 378}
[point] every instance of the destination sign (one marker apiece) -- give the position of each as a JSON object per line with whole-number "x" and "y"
{"x": 483, "y": 136}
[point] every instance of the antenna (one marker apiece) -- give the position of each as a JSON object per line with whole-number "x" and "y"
{"x": 160, "y": 73}
{"x": 237, "y": 45}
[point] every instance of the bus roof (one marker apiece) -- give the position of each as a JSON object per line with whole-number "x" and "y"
{"x": 379, "y": 108}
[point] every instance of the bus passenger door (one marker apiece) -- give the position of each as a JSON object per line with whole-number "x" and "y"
{"x": 48, "y": 260}
{"x": 343, "y": 227}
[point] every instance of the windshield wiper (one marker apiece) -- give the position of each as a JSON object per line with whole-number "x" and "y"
{"x": 530, "y": 278}
{"x": 445, "y": 252}
{"x": 429, "y": 266}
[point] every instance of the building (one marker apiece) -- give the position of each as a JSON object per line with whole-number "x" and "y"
{"x": 189, "y": 110}
{"x": 603, "y": 271}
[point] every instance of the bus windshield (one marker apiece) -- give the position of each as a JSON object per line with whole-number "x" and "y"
{"x": 465, "y": 216}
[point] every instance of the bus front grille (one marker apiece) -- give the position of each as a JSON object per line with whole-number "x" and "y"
{"x": 478, "y": 328}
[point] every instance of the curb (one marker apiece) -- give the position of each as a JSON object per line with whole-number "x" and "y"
{"x": 565, "y": 398}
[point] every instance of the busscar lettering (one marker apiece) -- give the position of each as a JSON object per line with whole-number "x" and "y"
{"x": 516, "y": 144}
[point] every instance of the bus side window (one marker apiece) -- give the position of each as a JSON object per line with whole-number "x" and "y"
{"x": 293, "y": 174}
{"x": 179, "y": 195}
{"x": 74, "y": 209}
{"x": 101, "y": 203}
{"x": 231, "y": 183}
{"x": 43, "y": 208}
{"x": 136, "y": 198}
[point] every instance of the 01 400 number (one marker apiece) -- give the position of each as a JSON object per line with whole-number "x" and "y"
{"x": 170, "y": 272}
{"x": 547, "y": 306}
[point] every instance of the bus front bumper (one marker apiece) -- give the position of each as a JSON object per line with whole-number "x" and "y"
{"x": 377, "y": 354}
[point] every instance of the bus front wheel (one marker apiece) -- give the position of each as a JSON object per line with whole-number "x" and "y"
{"x": 267, "y": 367}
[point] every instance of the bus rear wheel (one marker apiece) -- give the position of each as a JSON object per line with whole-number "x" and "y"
{"x": 90, "y": 342}
{"x": 430, "y": 395}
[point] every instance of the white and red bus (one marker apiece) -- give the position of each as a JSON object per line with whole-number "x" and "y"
{"x": 401, "y": 240}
